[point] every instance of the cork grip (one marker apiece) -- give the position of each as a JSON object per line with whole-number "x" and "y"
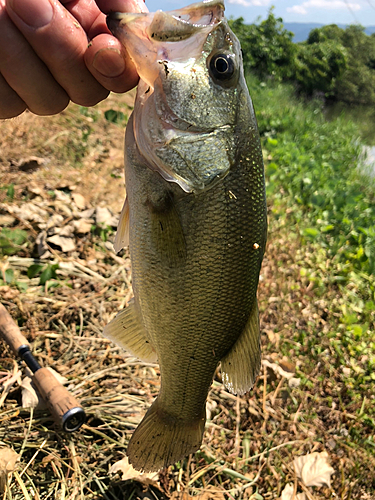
{"x": 62, "y": 405}
{"x": 64, "y": 408}
{"x": 10, "y": 331}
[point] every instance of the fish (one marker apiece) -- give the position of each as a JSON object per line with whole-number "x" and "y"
{"x": 195, "y": 219}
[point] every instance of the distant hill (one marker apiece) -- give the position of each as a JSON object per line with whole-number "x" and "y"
{"x": 301, "y": 30}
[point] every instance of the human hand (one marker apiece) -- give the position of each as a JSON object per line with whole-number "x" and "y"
{"x": 46, "y": 60}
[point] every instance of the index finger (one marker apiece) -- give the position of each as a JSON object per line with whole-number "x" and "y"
{"x": 108, "y": 6}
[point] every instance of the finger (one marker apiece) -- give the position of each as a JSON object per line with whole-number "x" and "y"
{"x": 102, "y": 55}
{"x": 110, "y": 65}
{"x": 60, "y": 42}
{"x": 106, "y": 58}
{"x": 26, "y": 74}
{"x": 89, "y": 16}
{"x": 108, "y": 6}
{"x": 11, "y": 104}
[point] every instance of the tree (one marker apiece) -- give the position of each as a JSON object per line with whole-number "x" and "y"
{"x": 319, "y": 65}
{"x": 357, "y": 84}
{"x": 267, "y": 47}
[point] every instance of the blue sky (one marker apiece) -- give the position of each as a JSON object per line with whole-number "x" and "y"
{"x": 319, "y": 11}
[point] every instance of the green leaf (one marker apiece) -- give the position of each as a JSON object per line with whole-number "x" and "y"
{"x": 271, "y": 142}
{"x": 48, "y": 273}
{"x": 114, "y": 116}
{"x": 34, "y": 270}
{"x": 326, "y": 229}
{"x": 10, "y": 191}
{"x": 11, "y": 240}
{"x": 310, "y": 232}
{"x": 9, "y": 276}
{"x": 272, "y": 168}
{"x": 22, "y": 287}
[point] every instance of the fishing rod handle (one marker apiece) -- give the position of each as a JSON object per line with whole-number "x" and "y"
{"x": 10, "y": 331}
{"x": 64, "y": 408}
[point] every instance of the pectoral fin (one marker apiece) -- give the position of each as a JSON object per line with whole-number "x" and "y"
{"x": 122, "y": 235}
{"x": 127, "y": 331}
{"x": 167, "y": 234}
{"x": 241, "y": 365}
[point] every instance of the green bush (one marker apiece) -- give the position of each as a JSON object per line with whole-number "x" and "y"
{"x": 267, "y": 47}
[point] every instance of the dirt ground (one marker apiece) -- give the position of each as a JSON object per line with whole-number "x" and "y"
{"x": 62, "y": 186}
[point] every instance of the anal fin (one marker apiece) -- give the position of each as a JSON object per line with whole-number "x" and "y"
{"x": 127, "y": 331}
{"x": 122, "y": 234}
{"x": 241, "y": 365}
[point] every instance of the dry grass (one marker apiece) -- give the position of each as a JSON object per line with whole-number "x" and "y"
{"x": 250, "y": 442}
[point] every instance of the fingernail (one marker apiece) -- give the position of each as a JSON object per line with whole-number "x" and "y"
{"x": 109, "y": 62}
{"x": 36, "y": 13}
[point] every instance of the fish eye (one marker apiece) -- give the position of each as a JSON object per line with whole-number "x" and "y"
{"x": 222, "y": 67}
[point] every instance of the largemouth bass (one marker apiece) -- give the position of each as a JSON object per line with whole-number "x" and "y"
{"x": 196, "y": 216}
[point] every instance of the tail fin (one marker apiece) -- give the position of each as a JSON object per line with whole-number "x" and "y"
{"x": 161, "y": 440}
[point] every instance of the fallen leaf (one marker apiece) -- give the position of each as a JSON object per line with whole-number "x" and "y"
{"x": 52, "y": 223}
{"x": 287, "y": 365}
{"x": 287, "y": 493}
{"x": 30, "y": 164}
{"x": 8, "y": 460}
{"x": 30, "y": 395}
{"x": 104, "y": 216}
{"x": 211, "y": 493}
{"x": 61, "y": 196}
{"x": 34, "y": 189}
{"x": 79, "y": 200}
{"x": 87, "y": 214}
{"x": 181, "y": 495}
{"x": 29, "y": 211}
{"x": 30, "y": 398}
{"x": 294, "y": 382}
{"x": 313, "y": 469}
{"x": 128, "y": 472}
{"x": 82, "y": 226}
{"x": 277, "y": 369}
{"x": 66, "y": 244}
{"x": 6, "y": 220}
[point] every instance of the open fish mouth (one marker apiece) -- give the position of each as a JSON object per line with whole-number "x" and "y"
{"x": 177, "y": 130}
{"x": 172, "y": 26}
{"x": 165, "y": 36}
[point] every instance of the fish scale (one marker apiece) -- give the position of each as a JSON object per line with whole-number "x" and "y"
{"x": 197, "y": 229}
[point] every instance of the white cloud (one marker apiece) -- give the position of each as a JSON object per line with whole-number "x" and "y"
{"x": 297, "y": 9}
{"x": 250, "y": 3}
{"x": 304, "y": 7}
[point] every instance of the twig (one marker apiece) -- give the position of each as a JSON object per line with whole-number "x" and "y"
{"x": 10, "y": 382}
{"x": 270, "y": 450}
{"x": 28, "y": 432}
{"x": 33, "y": 457}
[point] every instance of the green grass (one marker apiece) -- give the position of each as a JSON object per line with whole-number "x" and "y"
{"x": 316, "y": 190}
